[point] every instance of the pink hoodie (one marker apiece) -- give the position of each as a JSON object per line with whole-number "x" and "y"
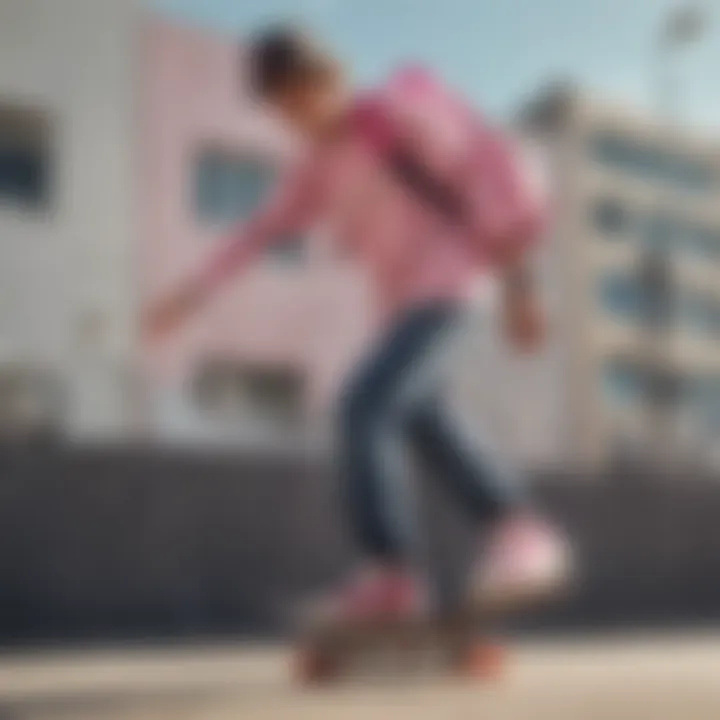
{"x": 412, "y": 250}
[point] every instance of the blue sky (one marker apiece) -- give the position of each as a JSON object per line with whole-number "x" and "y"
{"x": 498, "y": 51}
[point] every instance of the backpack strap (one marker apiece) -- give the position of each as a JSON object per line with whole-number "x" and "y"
{"x": 405, "y": 166}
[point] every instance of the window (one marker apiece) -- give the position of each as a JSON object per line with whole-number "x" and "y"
{"x": 661, "y": 232}
{"x": 622, "y": 295}
{"x": 623, "y": 382}
{"x": 711, "y": 402}
{"x": 229, "y": 189}
{"x": 702, "y": 400}
{"x": 31, "y": 402}
{"x": 704, "y": 242}
{"x": 628, "y": 298}
{"x": 253, "y": 393}
{"x": 627, "y": 382}
{"x": 701, "y": 312}
{"x": 656, "y": 230}
{"x": 24, "y": 158}
{"x": 650, "y": 162}
{"x": 647, "y": 296}
{"x": 611, "y": 217}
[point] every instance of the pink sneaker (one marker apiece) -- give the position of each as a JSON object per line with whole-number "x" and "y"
{"x": 375, "y": 595}
{"x": 527, "y": 560}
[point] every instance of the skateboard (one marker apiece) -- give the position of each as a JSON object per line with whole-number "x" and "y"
{"x": 455, "y": 642}
{"x": 460, "y": 641}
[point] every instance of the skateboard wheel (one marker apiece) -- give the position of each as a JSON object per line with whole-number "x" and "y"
{"x": 484, "y": 661}
{"x": 314, "y": 667}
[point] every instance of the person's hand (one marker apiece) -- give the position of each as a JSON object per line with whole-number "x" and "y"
{"x": 523, "y": 320}
{"x": 169, "y": 313}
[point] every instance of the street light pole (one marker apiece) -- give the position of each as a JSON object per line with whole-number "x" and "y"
{"x": 681, "y": 28}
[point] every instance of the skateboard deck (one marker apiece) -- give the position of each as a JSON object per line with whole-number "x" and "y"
{"x": 462, "y": 640}
{"x": 455, "y": 642}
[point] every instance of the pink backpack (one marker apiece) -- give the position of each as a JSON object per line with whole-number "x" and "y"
{"x": 503, "y": 207}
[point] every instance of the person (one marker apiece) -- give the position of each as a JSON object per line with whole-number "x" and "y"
{"x": 416, "y": 215}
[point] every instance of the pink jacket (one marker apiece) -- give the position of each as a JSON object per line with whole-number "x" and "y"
{"x": 412, "y": 249}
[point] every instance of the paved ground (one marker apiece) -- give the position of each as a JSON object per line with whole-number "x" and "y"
{"x": 648, "y": 679}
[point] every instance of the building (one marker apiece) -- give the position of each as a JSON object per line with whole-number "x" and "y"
{"x": 126, "y": 147}
{"x": 637, "y": 259}
{"x": 67, "y": 213}
{"x": 263, "y": 365}
{"x": 267, "y": 354}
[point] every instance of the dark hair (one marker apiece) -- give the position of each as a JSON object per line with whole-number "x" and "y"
{"x": 282, "y": 57}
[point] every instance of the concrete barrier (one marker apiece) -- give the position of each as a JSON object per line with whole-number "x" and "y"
{"x": 124, "y": 543}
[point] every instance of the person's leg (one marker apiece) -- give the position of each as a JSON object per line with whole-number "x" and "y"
{"x": 522, "y": 555}
{"x": 374, "y": 412}
{"x": 378, "y": 499}
{"x": 486, "y": 487}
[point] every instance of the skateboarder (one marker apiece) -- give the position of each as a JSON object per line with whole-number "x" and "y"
{"x": 425, "y": 195}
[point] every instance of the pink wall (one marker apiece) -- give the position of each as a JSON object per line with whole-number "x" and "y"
{"x": 314, "y": 315}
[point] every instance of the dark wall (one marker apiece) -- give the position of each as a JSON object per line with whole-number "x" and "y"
{"x": 104, "y": 544}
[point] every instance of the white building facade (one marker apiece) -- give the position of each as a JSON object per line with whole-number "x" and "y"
{"x": 67, "y": 212}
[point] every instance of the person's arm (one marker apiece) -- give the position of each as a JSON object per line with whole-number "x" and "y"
{"x": 290, "y": 210}
{"x": 512, "y": 214}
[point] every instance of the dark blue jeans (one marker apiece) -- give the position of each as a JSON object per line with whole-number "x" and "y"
{"x": 394, "y": 405}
